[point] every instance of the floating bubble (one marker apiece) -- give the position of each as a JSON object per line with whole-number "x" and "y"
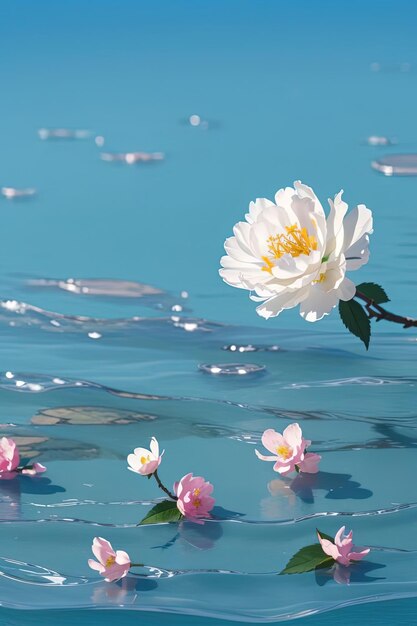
{"x": 234, "y": 347}
{"x": 396, "y": 165}
{"x": 194, "y": 120}
{"x": 231, "y": 369}
{"x": 12, "y": 192}
{"x": 63, "y": 133}
{"x": 132, "y": 157}
{"x": 379, "y": 140}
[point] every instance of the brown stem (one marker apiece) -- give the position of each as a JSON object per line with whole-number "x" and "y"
{"x": 161, "y": 486}
{"x": 379, "y": 313}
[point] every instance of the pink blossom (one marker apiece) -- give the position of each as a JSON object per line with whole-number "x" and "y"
{"x": 9, "y": 455}
{"x": 194, "y": 500}
{"x": 144, "y": 461}
{"x": 36, "y": 468}
{"x": 289, "y": 451}
{"x": 112, "y": 565}
{"x": 342, "y": 550}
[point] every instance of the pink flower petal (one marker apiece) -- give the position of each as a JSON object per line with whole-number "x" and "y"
{"x": 265, "y": 458}
{"x": 329, "y": 548}
{"x": 96, "y": 566}
{"x": 283, "y": 469}
{"x": 293, "y": 435}
{"x": 339, "y": 535}
{"x": 272, "y": 440}
{"x": 309, "y": 464}
{"x": 102, "y": 549}
{"x": 122, "y": 557}
{"x": 358, "y": 556}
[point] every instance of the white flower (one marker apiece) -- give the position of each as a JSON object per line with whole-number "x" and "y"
{"x": 143, "y": 461}
{"x": 287, "y": 253}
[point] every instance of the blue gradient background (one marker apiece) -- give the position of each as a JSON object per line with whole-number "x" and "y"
{"x": 289, "y": 90}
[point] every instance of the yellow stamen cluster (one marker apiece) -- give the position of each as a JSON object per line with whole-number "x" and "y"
{"x": 295, "y": 242}
{"x": 321, "y": 278}
{"x": 284, "y": 452}
{"x": 145, "y": 459}
{"x": 110, "y": 561}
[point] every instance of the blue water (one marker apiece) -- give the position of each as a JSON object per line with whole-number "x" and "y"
{"x": 289, "y": 92}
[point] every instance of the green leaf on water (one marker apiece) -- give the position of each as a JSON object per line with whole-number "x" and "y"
{"x": 355, "y": 319}
{"x": 307, "y": 559}
{"x": 162, "y": 513}
{"x": 374, "y": 292}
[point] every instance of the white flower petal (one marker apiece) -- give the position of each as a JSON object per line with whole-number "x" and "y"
{"x": 357, "y": 223}
{"x": 154, "y": 447}
{"x": 289, "y": 267}
{"x": 346, "y": 290}
{"x": 335, "y": 229}
{"x": 317, "y": 304}
{"x": 308, "y": 218}
{"x": 237, "y": 274}
{"x": 303, "y": 191}
{"x": 284, "y": 300}
{"x": 242, "y": 233}
{"x": 234, "y": 250}
{"x": 358, "y": 254}
{"x": 256, "y": 208}
{"x": 139, "y": 452}
{"x": 333, "y": 277}
{"x": 283, "y": 197}
{"x": 134, "y": 462}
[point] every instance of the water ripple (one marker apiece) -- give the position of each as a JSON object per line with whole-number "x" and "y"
{"x": 235, "y": 520}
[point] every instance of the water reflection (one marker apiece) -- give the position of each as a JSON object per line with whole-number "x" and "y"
{"x": 338, "y": 487}
{"x": 354, "y": 573}
{"x": 199, "y": 536}
{"x": 124, "y": 591}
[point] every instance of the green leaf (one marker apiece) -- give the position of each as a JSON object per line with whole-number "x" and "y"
{"x": 374, "y": 292}
{"x": 162, "y": 513}
{"x": 307, "y": 559}
{"x": 355, "y": 319}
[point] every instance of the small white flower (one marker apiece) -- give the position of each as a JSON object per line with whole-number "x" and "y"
{"x": 143, "y": 461}
{"x": 287, "y": 253}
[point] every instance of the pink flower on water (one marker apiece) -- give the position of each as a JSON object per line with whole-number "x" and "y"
{"x": 36, "y": 468}
{"x": 9, "y": 455}
{"x": 194, "y": 500}
{"x": 289, "y": 451}
{"x": 112, "y": 564}
{"x": 145, "y": 461}
{"x": 342, "y": 550}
